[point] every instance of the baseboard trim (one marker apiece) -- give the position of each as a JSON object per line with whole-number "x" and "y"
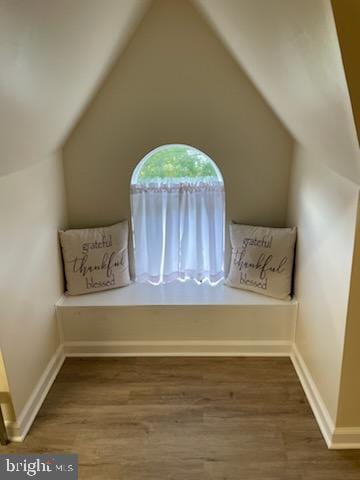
{"x": 178, "y": 348}
{"x": 335, "y": 438}
{"x": 313, "y": 396}
{"x": 346, "y": 438}
{"x": 18, "y": 430}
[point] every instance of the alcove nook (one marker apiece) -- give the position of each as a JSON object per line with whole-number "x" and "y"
{"x": 263, "y": 94}
{"x": 205, "y": 101}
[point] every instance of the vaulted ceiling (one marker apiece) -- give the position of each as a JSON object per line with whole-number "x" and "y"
{"x": 290, "y": 51}
{"x": 54, "y": 55}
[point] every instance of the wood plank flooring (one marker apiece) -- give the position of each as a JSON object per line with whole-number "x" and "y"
{"x": 185, "y": 418}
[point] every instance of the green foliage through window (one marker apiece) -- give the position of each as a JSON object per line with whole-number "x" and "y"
{"x": 176, "y": 161}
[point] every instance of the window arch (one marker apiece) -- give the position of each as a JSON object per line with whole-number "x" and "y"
{"x": 174, "y": 162}
{"x": 178, "y": 209}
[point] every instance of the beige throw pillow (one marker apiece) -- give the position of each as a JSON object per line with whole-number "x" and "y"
{"x": 262, "y": 259}
{"x": 95, "y": 259}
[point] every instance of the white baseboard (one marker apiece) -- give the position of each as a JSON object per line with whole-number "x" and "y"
{"x": 178, "y": 348}
{"x": 313, "y": 396}
{"x": 19, "y": 429}
{"x": 339, "y": 438}
{"x": 335, "y": 438}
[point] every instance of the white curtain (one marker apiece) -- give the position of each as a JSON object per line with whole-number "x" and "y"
{"x": 178, "y": 231}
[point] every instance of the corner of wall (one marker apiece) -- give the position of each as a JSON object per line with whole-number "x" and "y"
{"x": 324, "y": 206}
{"x": 31, "y": 272}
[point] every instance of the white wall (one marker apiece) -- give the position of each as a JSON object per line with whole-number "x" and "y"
{"x": 290, "y": 50}
{"x": 176, "y": 83}
{"x": 324, "y": 206}
{"x": 32, "y": 208}
{"x": 53, "y": 54}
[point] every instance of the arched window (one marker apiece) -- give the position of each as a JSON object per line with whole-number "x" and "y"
{"x": 177, "y": 205}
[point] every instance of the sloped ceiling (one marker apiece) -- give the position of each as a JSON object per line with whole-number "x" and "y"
{"x": 53, "y": 55}
{"x": 290, "y": 50}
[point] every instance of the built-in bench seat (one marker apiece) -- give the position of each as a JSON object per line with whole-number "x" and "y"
{"x": 177, "y": 318}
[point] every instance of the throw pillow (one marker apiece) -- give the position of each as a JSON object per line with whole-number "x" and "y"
{"x": 262, "y": 259}
{"x": 95, "y": 259}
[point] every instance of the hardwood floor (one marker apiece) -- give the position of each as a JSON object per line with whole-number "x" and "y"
{"x": 185, "y": 418}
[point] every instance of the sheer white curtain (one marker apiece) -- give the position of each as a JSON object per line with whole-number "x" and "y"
{"x": 178, "y": 231}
